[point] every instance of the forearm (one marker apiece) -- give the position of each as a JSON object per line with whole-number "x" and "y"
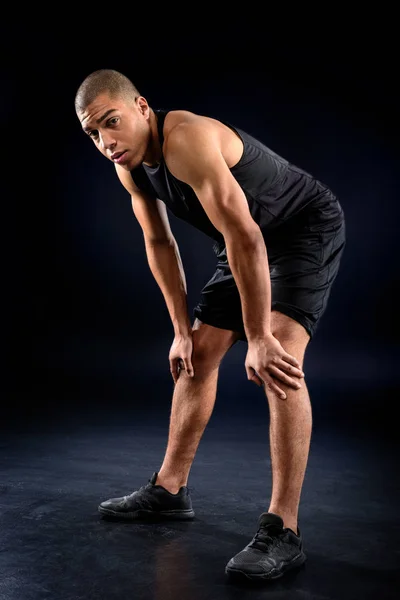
{"x": 166, "y": 266}
{"x": 249, "y": 264}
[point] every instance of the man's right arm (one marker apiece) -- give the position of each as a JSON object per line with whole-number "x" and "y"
{"x": 162, "y": 252}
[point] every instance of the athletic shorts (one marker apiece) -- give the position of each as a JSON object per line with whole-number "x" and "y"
{"x": 303, "y": 262}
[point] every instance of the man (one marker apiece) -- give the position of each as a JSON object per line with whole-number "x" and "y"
{"x": 279, "y": 236}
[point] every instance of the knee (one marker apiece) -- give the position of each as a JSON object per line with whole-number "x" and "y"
{"x": 293, "y": 346}
{"x": 209, "y": 347}
{"x": 205, "y": 358}
{"x": 293, "y": 337}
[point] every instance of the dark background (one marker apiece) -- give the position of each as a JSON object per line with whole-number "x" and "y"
{"x": 86, "y": 333}
{"x": 86, "y": 327}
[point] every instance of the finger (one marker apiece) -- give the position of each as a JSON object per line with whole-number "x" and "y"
{"x": 174, "y": 371}
{"x": 276, "y": 372}
{"x": 252, "y": 376}
{"x": 271, "y": 385}
{"x": 285, "y": 366}
{"x": 188, "y": 368}
{"x": 255, "y": 379}
{"x": 292, "y": 360}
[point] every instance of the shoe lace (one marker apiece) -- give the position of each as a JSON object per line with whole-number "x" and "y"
{"x": 266, "y": 536}
{"x": 142, "y": 502}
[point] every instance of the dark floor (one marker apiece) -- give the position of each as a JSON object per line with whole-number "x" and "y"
{"x": 60, "y": 463}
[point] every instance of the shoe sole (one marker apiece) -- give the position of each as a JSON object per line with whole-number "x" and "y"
{"x": 148, "y": 515}
{"x": 237, "y": 574}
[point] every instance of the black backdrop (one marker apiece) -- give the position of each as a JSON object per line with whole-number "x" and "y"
{"x": 83, "y": 317}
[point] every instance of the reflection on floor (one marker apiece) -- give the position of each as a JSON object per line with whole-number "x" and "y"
{"x": 59, "y": 463}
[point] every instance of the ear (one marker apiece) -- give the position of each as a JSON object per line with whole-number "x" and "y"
{"x": 143, "y": 106}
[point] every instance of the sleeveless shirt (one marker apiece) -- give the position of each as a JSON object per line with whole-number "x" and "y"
{"x": 281, "y": 196}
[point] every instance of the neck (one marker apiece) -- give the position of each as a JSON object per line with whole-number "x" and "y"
{"x": 154, "y": 152}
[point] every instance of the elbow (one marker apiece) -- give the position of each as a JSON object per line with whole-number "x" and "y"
{"x": 159, "y": 241}
{"x": 250, "y": 237}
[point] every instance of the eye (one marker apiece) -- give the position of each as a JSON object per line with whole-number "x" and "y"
{"x": 113, "y": 121}
{"x": 93, "y": 133}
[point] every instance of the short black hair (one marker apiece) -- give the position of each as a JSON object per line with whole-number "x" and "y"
{"x": 104, "y": 80}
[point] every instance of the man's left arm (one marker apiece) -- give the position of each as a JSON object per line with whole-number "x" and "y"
{"x": 194, "y": 156}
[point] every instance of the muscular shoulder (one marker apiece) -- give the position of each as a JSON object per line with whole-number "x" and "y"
{"x": 179, "y": 117}
{"x": 181, "y": 124}
{"x": 185, "y": 131}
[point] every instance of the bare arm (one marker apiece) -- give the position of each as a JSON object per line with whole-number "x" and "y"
{"x": 162, "y": 252}
{"x": 193, "y": 155}
{"x": 166, "y": 265}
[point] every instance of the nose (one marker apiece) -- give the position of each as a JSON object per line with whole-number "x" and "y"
{"x": 107, "y": 140}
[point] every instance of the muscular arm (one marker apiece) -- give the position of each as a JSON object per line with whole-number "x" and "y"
{"x": 193, "y": 154}
{"x": 162, "y": 252}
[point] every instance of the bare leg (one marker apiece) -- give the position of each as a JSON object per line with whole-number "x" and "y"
{"x": 290, "y": 435}
{"x": 290, "y": 427}
{"x": 193, "y": 402}
{"x": 192, "y": 406}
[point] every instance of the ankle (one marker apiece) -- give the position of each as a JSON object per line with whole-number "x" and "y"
{"x": 172, "y": 484}
{"x": 289, "y": 520}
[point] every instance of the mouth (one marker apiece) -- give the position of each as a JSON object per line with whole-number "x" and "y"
{"x": 119, "y": 157}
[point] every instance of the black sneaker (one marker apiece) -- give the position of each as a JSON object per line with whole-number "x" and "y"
{"x": 272, "y": 551}
{"x": 150, "y": 502}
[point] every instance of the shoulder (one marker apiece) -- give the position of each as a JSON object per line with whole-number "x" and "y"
{"x": 175, "y": 118}
{"x": 193, "y": 138}
{"x": 197, "y": 147}
{"x": 182, "y": 128}
{"x": 191, "y": 145}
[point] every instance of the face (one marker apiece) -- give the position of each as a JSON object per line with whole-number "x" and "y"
{"x": 119, "y": 129}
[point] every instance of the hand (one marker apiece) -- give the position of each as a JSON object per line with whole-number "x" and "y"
{"x": 267, "y": 361}
{"x": 180, "y": 356}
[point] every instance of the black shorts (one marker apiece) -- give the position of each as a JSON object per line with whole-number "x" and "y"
{"x": 303, "y": 262}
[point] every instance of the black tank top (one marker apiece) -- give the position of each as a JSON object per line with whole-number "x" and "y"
{"x": 279, "y": 194}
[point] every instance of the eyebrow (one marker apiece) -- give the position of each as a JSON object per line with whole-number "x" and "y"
{"x": 110, "y": 110}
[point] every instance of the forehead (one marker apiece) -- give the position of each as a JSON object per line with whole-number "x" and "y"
{"x": 96, "y": 109}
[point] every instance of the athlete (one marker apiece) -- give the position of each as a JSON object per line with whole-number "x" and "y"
{"x": 279, "y": 235}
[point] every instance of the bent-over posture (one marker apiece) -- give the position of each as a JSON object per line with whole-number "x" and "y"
{"x": 279, "y": 235}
